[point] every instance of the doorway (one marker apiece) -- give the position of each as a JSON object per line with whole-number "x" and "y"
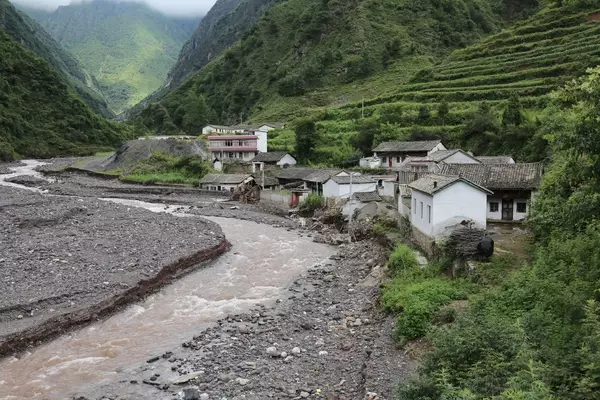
{"x": 507, "y": 209}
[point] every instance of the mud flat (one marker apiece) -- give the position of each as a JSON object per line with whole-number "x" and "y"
{"x": 65, "y": 262}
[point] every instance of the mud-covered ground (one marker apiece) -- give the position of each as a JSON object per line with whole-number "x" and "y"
{"x": 5, "y": 167}
{"x": 62, "y": 256}
{"x": 326, "y": 339}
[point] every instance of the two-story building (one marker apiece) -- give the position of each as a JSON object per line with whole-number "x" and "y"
{"x": 392, "y": 154}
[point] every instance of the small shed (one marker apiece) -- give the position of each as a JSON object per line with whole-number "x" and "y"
{"x": 272, "y": 160}
{"x": 342, "y": 187}
{"x": 225, "y": 182}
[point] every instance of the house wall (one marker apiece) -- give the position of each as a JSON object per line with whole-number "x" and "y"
{"x": 287, "y": 159}
{"x": 518, "y": 197}
{"x": 457, "y": 203}
{"x": 461, "y": 158}
{"x": 218, "y": 186}
{"x": 370, "y": 162}
{"x": 283, "y": 197}
{"x": 404, "y": 206}
{"x": 332, "y": 189}
{"x": 389, "y": 189}
{"x": 262, "y": 141}
{"x": 440, "y": 146}
{"x": 420, "y": 219}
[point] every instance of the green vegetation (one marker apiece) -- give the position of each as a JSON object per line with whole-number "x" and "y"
{"x": 312, "y": 53}
{"x": 33, "y": 37}
{"x": 127, "y": 46}
{"x": 160, "y": 168}
{"x": 40, "y": 116}
{"x": 312, "y": 203}
{"x": 532, "y": 332}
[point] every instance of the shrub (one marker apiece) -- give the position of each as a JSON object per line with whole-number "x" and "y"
{"x": 403, "y": 259}
{"x": 312, "y": 203}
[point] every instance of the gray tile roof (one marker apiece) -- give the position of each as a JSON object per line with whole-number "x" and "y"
{"x": 269, "y": 180}
{"x": 423, "y": 145}
{"x": 224, "y": 179}
{"x": 345, "y": 180}
{"x": 321, "y": 175}
{"x": 433, "y": 183}
{"x": 273, "y": 156}
{"x": 366, "y": 197}
{"x": 496, "y": 159}
{"x": 520, "y": 176}
{"x": 295, "y": 173}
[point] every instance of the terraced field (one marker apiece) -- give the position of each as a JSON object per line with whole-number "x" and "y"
{"x": 531, "y": 59}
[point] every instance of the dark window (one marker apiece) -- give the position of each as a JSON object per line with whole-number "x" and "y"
{"x": 522, "y": 207}
{"x": 397, "y": 159}
{"x": 415, "y": 206}
{"x": 494, "y": 207}
{"x": 383, "y": 159}
{"x": 421, "y": 210}
{"x": 429, "y": 213}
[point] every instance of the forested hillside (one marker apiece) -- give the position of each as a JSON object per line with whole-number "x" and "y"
{"x": 31, "y": 35}
{"x": 40, "y": 116}
{"x": 127, "y": 46}
{"x": 307, "y": 53}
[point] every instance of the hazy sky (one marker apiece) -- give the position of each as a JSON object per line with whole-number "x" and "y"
{"x": 172, "y": 7}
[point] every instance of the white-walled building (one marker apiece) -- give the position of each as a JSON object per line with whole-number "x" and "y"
{"x": 225, "y": 182}
{"x": 434, "y": 162}
{"x": 343, "y": 187}
{"x": 514, "y": 186}
{"x": 273, "y": 159}
{"x": 441, "y": 202}
{"x": 392, "y": 154}
{"x": 224, "y": 129}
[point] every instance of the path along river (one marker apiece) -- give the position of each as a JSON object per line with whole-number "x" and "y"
{"x": 262, "y": 261}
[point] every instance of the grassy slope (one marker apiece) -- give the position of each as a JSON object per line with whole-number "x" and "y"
{"x": 307, "y": 53}
{"x": 531, "y": 59}
{"x": 128, "y": 47}
{"x": 39, "y": 114}
{"x": 31, "y": 35}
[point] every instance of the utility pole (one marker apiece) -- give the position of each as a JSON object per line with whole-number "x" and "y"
{"x": 262, "y": 167}
{"x": 362, "y": 110}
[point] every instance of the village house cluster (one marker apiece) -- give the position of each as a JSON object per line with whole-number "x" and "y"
{"x": 433, "y": 187}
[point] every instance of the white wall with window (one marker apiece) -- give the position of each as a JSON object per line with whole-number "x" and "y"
{"x": 422, "y": 212}
{"x": 516, "y": 209}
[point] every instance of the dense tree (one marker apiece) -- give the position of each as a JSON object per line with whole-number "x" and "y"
{"x": 513, "y": 113}
{"x": 306, "y": 139}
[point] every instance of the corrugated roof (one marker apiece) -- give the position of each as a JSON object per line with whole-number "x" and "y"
{"x": 400, "y": 146}
{"x": 366, "y": 197}
{"x": 520, "y": 176}
{"x": 273, "y": 156}
{"x": 496, "y": 159}
{"x": 225, "y": 179}
{"x": 434, "y": 183}
{"x": 345, "y": 180}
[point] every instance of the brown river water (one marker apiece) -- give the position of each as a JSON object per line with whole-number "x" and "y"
{"x": 263, "y": 260}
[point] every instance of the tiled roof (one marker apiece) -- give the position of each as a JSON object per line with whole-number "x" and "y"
{"x": 269, "y": 180}
{"x": 433, "y": 183}
{"x": 366, "y": 197}
{"x": 496, "y": 159}
{"x": 225, "y": 179}
{"x": 345, "y": 180}
{"x": 273, "y": 156}
{"x": 424, "y": 145}
{"x": 321, "y": 175}
{"x": 296, "y": 173}
{"x": 499, "y": 176}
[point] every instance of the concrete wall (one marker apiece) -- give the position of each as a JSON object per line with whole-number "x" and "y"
{"x": 457, "y": 203}
{"x": 404, "y": 206}
{"x": 420, "y": 215}
{"x": 276, "y": 197}
{"x": 517, "y": 216}
{"x": 287, "y": 159}
{"x": 262, "y": 141}
{"x": 332, "y": 189}
{"x": 440, "y": 146}
{"x": 389, "y": 189}
{"x": 461, "y": 158}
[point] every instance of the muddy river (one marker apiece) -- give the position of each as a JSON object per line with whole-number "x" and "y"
{"x": 262, "y": 261}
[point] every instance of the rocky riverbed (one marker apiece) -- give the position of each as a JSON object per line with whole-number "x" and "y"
{"x": 327, "y": 338}
{"x": 65, "y": 261}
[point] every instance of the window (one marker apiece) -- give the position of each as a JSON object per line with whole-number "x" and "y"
{"x": 494, "y": 207}
{"x": 421, "y": 210}
{"x": 429, "y": 213}
{"x": 397, "y": 159}
{"x": 229, "y": 143}
{"x": 383, "y": 160}
{"x": 522, "y": 207}
{"x": 415, "y": 205}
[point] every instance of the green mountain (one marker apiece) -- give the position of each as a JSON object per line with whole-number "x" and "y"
{"x": 310, "y": 53}
{"x": 33, "y": 37}
{"x": 40, "y": 116}
{"x": 127, "y": 46}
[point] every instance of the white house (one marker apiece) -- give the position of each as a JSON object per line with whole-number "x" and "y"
{"x": 514, "y": 186}
{"x": 224, "y": 129}
{"x": 392, "y": 154}
{"x": 273, "y": 159}
{"x": 342, "y": 187}
{"x": 225, "y": 182}
{"x": 237, "y": 147}
{"x": 434, "y": 161}
{"x": 441, "y": 202}
{"x": 370, "y": 162}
